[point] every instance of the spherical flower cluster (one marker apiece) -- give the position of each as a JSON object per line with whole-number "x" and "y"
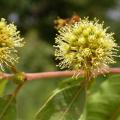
{"x": 9, "y": 40}
{"x": 85, "y": 45}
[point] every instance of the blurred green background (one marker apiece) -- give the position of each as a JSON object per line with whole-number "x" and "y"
{"x": 35, "y": 20}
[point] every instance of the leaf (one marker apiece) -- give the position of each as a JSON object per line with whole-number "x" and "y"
{"x": 10, "y": 112}
{"x": 65, "y": 103}
{"x": 105, "y": 103}
{"x": 96, "y": 83}
{"x": 3, "y": 83}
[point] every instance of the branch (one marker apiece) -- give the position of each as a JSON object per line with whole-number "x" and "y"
{"x": 58, "y": 74}
{"x": 55, "y": 74}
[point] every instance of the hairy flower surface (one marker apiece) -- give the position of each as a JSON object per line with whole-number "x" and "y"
{"x": 10, "y": 40}
{"x": 85, "y": 45}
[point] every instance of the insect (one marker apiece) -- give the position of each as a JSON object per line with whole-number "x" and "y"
{"x": 59, "y": 22}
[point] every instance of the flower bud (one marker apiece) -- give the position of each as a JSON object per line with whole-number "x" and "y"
{"x": 90, "y": 45}
{"x": 10, "y": 40}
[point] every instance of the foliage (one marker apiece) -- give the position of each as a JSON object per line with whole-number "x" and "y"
{"x": 10, "y": 111}
{"x": 104, "y": 104}
{"x": 66, "y": 102}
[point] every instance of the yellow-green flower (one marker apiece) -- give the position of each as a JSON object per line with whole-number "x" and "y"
{"x": 10, "y": 40}
{"x": 85, "y": 45}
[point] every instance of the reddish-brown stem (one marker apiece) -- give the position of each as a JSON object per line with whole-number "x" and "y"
{"x": 56, "y": 74}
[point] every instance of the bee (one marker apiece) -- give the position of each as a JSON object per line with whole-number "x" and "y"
{"x": 59, "y": 22}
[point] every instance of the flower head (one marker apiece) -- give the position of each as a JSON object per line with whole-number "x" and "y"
{"x": 85, "y": 45}
{"x": 10, "y": 40}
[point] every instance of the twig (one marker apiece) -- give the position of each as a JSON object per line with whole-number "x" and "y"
{"x": 56, "y": 74}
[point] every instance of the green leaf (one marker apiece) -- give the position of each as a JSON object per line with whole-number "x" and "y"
{"x": 3, "y": 83}
{"x": 66, "y": 102}
{"x": 104, "y": 104}
{"x": 7, "y": 112}
{"x": 83, "y": 115}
